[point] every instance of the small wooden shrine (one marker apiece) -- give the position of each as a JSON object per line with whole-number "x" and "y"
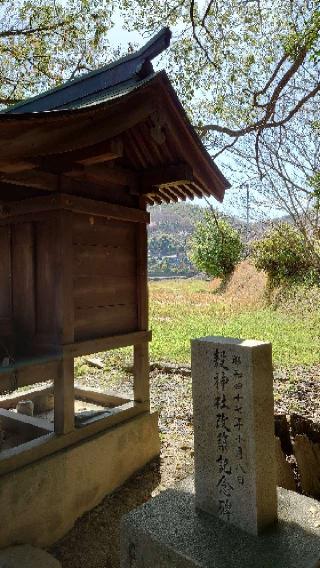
{"x": 78, "y": 167}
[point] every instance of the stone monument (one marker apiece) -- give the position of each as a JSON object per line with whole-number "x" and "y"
{"x": 235, "y": 467}
{"x": 228, "y": 517}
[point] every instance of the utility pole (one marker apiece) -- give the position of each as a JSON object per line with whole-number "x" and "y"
{"x": 248, "y": 213}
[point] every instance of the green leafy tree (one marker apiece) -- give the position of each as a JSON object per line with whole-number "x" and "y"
{"x": 43, "y": 42}
{"x": 282, "y": 254}
{"x": 248, "y": 73}
{"x": 215, "y": 247}
{"x": 241, "y": 59}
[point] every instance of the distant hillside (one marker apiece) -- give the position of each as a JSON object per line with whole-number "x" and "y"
{"x": 170, "y": 229}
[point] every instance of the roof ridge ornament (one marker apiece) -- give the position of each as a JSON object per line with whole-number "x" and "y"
{"x": 136, "y": 64}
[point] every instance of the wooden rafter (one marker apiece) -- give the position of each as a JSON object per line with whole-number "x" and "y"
{"x": 161, "y": 176}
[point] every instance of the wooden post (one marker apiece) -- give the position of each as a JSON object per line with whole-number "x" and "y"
{"x": 64, "y": 381}
{"x": 141, "y": 351}
{"x": 141, "y": 372}
{"x": 64, "y": 397}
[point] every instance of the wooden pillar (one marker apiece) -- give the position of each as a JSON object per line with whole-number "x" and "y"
{"x": 64, "y": 382}
{"x": 141, "y": 351}
{"x": 64, "y": 397}
{"x": 141, "y": 373}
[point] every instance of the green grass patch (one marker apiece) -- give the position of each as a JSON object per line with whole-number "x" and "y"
{"x": 182, "y": 310}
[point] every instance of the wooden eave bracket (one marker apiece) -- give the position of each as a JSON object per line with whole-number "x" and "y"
{"x": 139, "y": 183}
{"x": 173, "y": 174}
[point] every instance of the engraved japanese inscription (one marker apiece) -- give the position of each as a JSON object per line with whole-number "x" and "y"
{"x": 233, "y": 423}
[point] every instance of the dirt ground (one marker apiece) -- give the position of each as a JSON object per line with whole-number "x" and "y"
{"x": 94, "y": 540}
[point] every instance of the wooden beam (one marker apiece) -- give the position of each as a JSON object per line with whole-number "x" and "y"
{"x": 34, "y": 178}
{"x": 17, "y": 166}
{"x": 31, "y": 371}
{"x": 161, "y": 193}
{"x": 102, "y": 209}
{"x": 194, "y": 190}
{"x": 105, "y": 151}
{"x": 109, "y": 399}
{"x": 11, "y": 401}
{"x": 101, "y": 174}
{"x": 64, "y": 397}
{"x": 166, "y": 191}
{"x": 55, "y": 181}
{"x": 167, "y": 174}
{"x": 102, "y": 152}
{"x": 107, "y": 343}
{"x": 157, "y": 198}
{"x": 29, "y": 426}
{"x": 76, "y": 204}
{"x": 25, "y": 373}
{"x": 187, "y": 191}
{"x": 178, "y": 191}
{"x": 11, "y": 460}
{"x": 61, "y": 176}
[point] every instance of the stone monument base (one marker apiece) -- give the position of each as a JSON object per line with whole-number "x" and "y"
{"x": 167, "y": 532}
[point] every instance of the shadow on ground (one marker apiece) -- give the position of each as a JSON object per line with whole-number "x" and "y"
{"x": 94, "y": 540}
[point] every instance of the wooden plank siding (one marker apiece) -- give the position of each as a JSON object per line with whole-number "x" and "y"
{"x": 23, "y": 286}
{"x": 42, "y": 283}
{"x": 46, "y": 276}
{"x": 104, "y": 261}
{"x": 94, "y": 290}
{"x": 6, "y": 321}
{"x": 5, "y": 272}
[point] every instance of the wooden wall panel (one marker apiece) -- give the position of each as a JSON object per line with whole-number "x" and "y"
{"x": 23, "y": 285}
{"x": 103, "y": 261}
{"x": 101, "y": 231}
{"x": 5, "y": 272}
{"x": 93, "y": 290}
{"x": 46, "y": 277}
{"x": 104, "y": 321}
{"x": 105, "y": 284}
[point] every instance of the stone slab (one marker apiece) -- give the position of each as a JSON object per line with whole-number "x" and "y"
{"x": 39, "y": 503}
{"x": 234, "y": 445}
{"x": 26, "y": 556}
{"x": 166, "y": 532}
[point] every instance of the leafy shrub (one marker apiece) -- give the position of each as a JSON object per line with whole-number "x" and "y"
{"x": 215, "y": 247}
{"x": 282, "y": 254}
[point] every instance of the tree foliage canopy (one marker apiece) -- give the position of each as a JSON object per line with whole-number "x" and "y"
{"x": 215, "y": 247}
{"x": 282, "y": 254}
{"x": 44, "y": 42}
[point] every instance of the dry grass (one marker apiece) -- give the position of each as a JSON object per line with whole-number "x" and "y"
{"x": 246, "y": 287}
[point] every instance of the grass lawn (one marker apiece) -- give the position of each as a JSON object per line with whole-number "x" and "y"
{"x": 182, "y": 309}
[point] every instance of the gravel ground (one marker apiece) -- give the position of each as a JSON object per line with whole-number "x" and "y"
{"x": 93, "y": 542}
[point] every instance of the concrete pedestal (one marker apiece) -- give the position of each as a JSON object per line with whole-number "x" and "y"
{"x": 167, "y": 532}
{"x": 40, "y": 502}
